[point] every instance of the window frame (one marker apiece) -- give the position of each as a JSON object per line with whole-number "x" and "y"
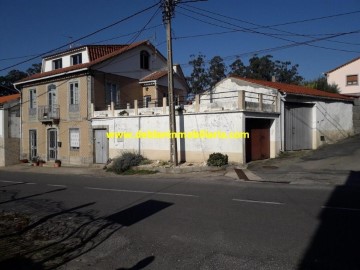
{"x": 57, "y": 63}
{"x": 78, "y": 58}
{"x": 32, "y": 98}
{"x": 352, "y": 82}
{"x": 71, "y": 147}
{"x": 113, "y": 95}
{"x": 144, "y": 59}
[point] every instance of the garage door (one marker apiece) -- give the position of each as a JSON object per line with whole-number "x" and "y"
{"x": 298, "y": 126}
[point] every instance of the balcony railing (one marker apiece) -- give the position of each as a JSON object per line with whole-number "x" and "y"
{"x": 49, "y": 113}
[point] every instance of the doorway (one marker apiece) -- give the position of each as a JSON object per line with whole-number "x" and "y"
{"x": 258, "y": 145}
{"x": 52, "y": 144}
{"x": 32, "y": 144}
{"x": 101, "y": 146}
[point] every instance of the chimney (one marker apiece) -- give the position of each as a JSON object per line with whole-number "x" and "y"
{"x": 273, "y": 78}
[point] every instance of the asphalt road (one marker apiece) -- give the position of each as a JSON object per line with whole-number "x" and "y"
{"x": 91, "y": 222}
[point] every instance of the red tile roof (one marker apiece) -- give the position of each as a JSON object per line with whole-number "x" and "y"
{"x": 295, "y": 89}
{"x": 347, "y": 63}
{"x": 9, "y": 98}
{"x": 97, "y": 54}
{"x": 97, "y": 51}
{"x": 154, "y": 76}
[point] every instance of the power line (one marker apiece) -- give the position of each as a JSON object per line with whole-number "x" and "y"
{"x": 243, "y": 29}
{"x": 258, "y": 26}
{"x": 86, "y": 36}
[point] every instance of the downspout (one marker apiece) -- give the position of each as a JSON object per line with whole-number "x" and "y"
{"x": 20, "y": 103}
{"x": 282, "y": 120}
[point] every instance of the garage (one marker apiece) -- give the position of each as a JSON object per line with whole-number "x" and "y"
{"x": 298, "y": 126}
{"x": 258, "y": 144}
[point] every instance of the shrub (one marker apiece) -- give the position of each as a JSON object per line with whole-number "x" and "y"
{"x": 217, "y": 159}
{"x": 125, "y": 162}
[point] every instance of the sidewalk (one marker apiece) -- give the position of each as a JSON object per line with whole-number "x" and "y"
{"x": 335, "y": 164}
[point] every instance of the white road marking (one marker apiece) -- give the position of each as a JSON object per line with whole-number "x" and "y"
{"x": 143, "y": 192}
{"x": 29, "y": 183}
{"x": 340, "y": 208}
{"x": 253, "y": 201}
{"x": 16, "y": 182}
{"x": 55, "y": 185}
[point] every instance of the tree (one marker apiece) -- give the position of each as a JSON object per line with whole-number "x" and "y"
{"x": 238, "y": 68}
{"x": 322, "y": 84}
{"x": 199, "y": 79}
{"x": 261, "y": 68}
{"x": 216, "y": 71}
{"x": 285, "y": 73}
{"x": 12, "y": 76}
{"x": 34, "y": 69}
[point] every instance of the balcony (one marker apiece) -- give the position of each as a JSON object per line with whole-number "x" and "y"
{"x": 49, "y": 114}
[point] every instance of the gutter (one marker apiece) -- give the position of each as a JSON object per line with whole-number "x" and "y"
{"x": 20, "y": 103}
{"x": 51, "y": 76}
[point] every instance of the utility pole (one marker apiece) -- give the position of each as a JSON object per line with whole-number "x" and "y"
{"x": 168, "y": 13}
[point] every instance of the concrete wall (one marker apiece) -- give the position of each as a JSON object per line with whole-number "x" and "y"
{"x": 191, "y": 150}
{"x": 339, "y": 77}
{"x": 333, "y": 121}
{"x": 9, "y": 136}
{"x": 356, "y": 116}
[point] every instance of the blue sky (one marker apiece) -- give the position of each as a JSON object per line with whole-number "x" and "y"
{"x": 33, "y": 27}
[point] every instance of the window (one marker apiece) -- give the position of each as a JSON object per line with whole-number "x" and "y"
{"x": 352, "y": 80}
{"x": 32, "y": 98}
{"x": 74, "y": 138}
{"x": 76, "y": 59}
{"x": 144, "y": 59}
{"x": 147, "y": 100}
{"x": 57, "y": 63}
{"x": 112, "y": 94}
{"x": 73, "y": 97}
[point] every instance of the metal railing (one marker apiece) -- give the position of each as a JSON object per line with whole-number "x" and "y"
{"x": 49, "y": 113}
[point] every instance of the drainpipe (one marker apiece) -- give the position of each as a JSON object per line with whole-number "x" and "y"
{"x": 282, "y": 120}
{"x": 20, "y": 103}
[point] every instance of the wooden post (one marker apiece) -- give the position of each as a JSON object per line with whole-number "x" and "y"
{"x": 241, "y": 100}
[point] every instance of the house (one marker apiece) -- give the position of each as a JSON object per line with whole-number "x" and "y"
{"x": 58, "y": 103}
{"x": 346, "y": 77}
{"x": 9, "y": 129}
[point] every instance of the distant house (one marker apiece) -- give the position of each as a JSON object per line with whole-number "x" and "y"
{"x": 58, "y": 103}
{"x": 9, "y": 129}
{"x": 346, "y": 77}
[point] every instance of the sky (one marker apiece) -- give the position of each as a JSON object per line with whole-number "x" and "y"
{"x": 318, "y": 35}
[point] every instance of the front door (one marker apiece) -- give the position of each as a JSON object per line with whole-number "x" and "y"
{"x": 52, "y": 144}
{"x": 101, "y": 146}
{"x": 32, "y": 144}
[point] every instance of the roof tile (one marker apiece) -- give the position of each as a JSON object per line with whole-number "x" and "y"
{"x": 295, "y": 89}
{"x": 9, "y": 98}
{"x": 98, "y": 54}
